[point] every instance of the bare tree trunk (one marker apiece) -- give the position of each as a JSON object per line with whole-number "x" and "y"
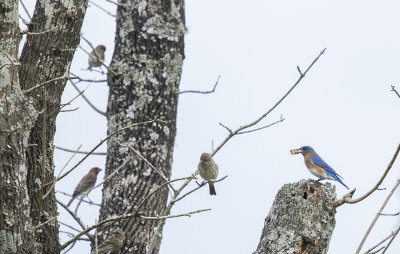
{"x": 46, "y": 55}
{"x": 143, "y": 77}
{"x": 17, "y": 117}
{"x": 301, "y": 220}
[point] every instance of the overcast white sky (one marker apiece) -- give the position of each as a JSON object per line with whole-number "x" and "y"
{"x": 343, "y": 108}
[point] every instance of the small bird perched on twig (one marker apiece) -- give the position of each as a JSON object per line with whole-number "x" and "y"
{"x": 86, "y": 184}
{"x": 208, "y": 170}
{"x": 96, "y": 57}
{"x": 113, "y": 243}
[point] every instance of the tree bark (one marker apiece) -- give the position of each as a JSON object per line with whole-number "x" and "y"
{"x": 301, "y": 220}
{"x": 17, "y": 118}
{"x": 23, "y": 149}
{"x": 143, "y": 78}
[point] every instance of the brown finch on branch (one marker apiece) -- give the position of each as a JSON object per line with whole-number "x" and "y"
{"x": 96, "y": 57}
{"x": 86, "y": 184}
{"x": 112, "y": 243}
{"x": 208, "y": 171}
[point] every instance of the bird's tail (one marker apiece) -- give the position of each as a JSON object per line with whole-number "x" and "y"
{"x": 212, "y": 189}
{"x": 340, "y": 181}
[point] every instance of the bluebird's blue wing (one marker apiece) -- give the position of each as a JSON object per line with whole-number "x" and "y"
{"x": 318, "y": 161}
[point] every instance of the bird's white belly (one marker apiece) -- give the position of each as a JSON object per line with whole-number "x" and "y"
{"x": 318, "y": 174}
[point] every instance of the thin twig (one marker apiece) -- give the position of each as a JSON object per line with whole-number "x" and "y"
{"x": 44, "y": 223}
{"x": 90, "y": 202}
{"x": 26, "y": 31}
{"x": 348, "y": 197}
{"x": 104, "y": 140}
{"x": 69, "y": 226}
{"x": 80, "y": 152}
{"x": 135, "y": 213}
{"x": 25, "y": 9}
{"x": 384, "y": 240}
{"x": 63, "y": 77}
{"x": 390, "y": 214}
{"x": 394, "y": 90}
{"x": 202, "y": 92}
{"x": 198, "y": 187}
{"x": 391, "y": 240}
{"x": 101, "y": 8}
{"x": 264, "y": 127}
{"x": 147, "y": 162}
{"x": 240, "y": 129}
{"x": 377, "y": 216}
{"x": 174, "y": 216}
{"x": 87, "y": 100}
{"x": 78, "y": 220}
{"x": 55, "y": 180}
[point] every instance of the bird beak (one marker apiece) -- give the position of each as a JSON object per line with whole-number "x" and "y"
{"x": 294, "y": 151}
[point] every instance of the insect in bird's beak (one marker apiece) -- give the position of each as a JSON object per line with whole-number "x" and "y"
{"x": 294, "y": 151}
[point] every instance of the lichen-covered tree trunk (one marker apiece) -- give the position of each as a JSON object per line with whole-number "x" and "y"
{"x": 54, "y": 36}
{"x": 17, "y": 117}
{"x": 301, "y": 220}
{"x": 143, "y": 78}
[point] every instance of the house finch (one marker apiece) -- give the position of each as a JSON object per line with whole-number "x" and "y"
{"x": 87, "y": 182}
{"x": 112, "y": 243}
{"x": 96, "y": 57}
{"x": 208, "y": 170}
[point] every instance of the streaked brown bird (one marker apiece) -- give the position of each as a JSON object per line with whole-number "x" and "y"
{"x": 87, "y": 182}
{"x": 96, "y": 57}
{"x": 208, "y": 170}
{"x": 113, "y": 243}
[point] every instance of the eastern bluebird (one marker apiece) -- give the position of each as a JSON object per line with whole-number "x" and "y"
{"x": 317, "y": 166}
{"x": 86, "y": 183}
{"x": 208, "y": 170}
{"x": 113, "y": 243}
{"x": 96, "y": 57}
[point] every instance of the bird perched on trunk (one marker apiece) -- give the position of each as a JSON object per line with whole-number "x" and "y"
{"x": 317, "y": 166}
{"x": 113, "y": 243}
{"x": 86, "y": 184}
{"x": 208, "y": 170}
{"x": 96, "y": 57}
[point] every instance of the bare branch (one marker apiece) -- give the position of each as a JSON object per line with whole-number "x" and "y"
{"x": 104, "y": 140}
{"x": 90, "y": 202}
{"x": 147, "y": 162}
{"x": 263, "y": 127}
{"x": 347, "y": 199}
{"x": 101, "y": 8}
{"x": 384, "y": 240}
{"x": 391, "y": 240}
{"x": 26, "y": 31}
{"x": 198, "y": 187}
{"x": 202, "y": 92}
{"x": 377, "y": 216}
{"x": 69, "y": 226}
{"x": 174, "y": 216}
{"x": 55, "y": 180}
{"x": 87, "y": 100}
{"x": 244, "y": 127}
{"x": 394, "y": 90}
{"x": 25, "y": 9}
{"x": 78, "y": 220}
{"x": 80, "y": 152}
{"x": 136, "y": 213}
{"x": 390, "y": 214}
{"x": 44, "y": 223}
{"x": 63, "y": 77}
